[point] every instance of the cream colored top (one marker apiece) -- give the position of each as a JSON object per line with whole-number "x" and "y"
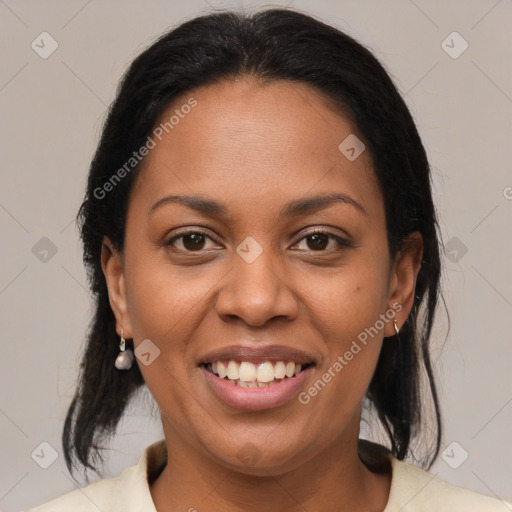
{"x": 412, "y": 490}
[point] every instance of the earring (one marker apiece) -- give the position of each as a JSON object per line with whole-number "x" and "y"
{"x": 396, "y": 327}
{"x": 125, "y": 358}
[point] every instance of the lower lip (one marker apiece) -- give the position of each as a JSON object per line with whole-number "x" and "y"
{"x": 256, "y": 399}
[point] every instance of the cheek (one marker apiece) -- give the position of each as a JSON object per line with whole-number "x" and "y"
{"x": 348, "y": 300}
{"x": 164, "y": 306}
{"x": 162, "y": 299}
{"x": 345, "y": 308}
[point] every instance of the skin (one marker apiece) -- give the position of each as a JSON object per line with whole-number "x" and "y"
{"x": 253, "y": 147}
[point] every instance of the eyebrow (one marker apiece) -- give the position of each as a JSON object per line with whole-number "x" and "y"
{"x": 294, "y": 208}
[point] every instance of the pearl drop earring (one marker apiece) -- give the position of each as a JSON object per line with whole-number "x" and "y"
{"x": 125, "y": 358}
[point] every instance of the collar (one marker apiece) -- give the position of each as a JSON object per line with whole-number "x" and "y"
{"x": 412, "y": 488}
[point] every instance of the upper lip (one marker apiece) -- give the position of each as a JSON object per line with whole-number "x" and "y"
{"x": 258, "y": 353}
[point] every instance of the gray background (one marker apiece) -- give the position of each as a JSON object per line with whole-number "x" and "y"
{"x": 51, "y": 113}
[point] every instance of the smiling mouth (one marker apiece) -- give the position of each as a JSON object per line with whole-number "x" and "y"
{"x": 249, "y": 375}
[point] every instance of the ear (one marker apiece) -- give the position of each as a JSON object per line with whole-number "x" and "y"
{"x": 112, "y": 266}
{"x": 402, "y": 282}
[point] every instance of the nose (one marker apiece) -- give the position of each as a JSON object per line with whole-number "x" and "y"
{"x": 256, "y": 292}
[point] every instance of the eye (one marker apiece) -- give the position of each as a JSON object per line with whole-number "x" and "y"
{"x": 320, "y": 240}
{"x": 190, "y": 241}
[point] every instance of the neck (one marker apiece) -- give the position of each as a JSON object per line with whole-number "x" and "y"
{"x": 335, "y": 478}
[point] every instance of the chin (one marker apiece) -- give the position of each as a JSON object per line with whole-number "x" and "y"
{"x": 260, "y": 459}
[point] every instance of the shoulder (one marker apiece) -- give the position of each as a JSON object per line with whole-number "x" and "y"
{"x": 415, "y": 490}
{"x": 106, "y": 495}
{"x": 94, "y": 497}
{"x": 125, "y": 493}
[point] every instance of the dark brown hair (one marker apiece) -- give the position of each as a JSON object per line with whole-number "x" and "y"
{"x": 275, "y": 44}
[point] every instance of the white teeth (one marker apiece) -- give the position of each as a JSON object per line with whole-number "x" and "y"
{"x": 248, "y": 375}
{"x": 290, "y": 369}
{"x": 232, "y": 370}
{"x": 221, "y": 369}
{"x": 265, "y": 372}
{"x": 279, "y": 370}
{"x": 247, "y": 371}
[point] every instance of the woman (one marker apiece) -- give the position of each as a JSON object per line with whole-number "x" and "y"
{"x": 259, "y": 229}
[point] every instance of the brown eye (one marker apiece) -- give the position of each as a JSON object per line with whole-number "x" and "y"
{"x": 321, "y": 241}
{"x": 318, "y": 241}
{"x": 191, "y": 241}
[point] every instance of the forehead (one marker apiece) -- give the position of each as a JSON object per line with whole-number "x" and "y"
{"x": 255, "y": 143}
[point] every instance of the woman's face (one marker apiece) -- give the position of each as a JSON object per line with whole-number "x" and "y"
{"x": 236, "y": 273}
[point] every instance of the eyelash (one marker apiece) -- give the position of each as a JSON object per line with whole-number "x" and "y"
{"x": 342, "y": 243}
